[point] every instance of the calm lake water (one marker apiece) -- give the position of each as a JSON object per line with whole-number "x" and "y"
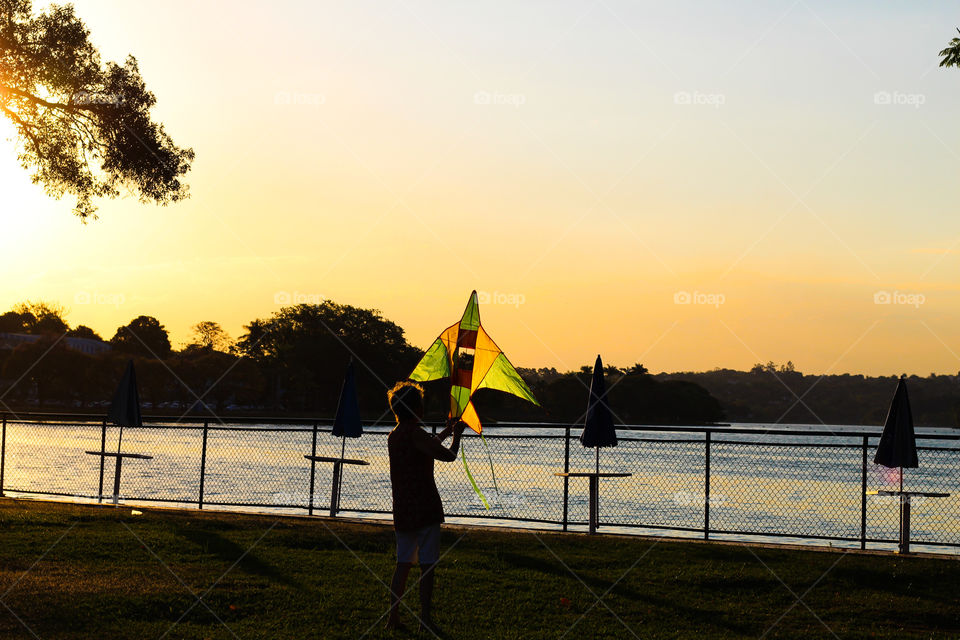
{"x": 760, "y": 484}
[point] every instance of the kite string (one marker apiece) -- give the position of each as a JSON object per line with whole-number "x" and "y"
{"x": 473, "y": 483}
{"x": 493, "y": 473}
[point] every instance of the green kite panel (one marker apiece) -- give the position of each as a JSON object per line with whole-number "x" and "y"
{"x": 502, "y": 376}
{"x": 434, "y": 365}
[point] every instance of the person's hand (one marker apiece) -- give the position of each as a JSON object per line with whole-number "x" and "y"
{"x": 459, "y": 428}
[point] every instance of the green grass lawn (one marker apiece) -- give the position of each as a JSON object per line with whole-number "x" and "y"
{"x": 70, "y": 571}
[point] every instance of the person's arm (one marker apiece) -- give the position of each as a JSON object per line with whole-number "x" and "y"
{"x": 431, "y": 445}
{"x": 447, "y": 430}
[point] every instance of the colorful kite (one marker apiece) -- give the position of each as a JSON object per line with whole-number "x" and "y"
{"x": 466, "y": 354}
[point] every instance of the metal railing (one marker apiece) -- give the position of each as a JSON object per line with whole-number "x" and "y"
{"x": 706, "y": 481}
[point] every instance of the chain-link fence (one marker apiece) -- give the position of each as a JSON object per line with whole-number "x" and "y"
{"x": 747, "y": 483}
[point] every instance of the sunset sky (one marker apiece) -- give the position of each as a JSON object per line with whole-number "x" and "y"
{"x": 789, "y": 169}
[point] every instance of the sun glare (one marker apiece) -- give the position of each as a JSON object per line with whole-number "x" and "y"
{"x": 16, "y": 193}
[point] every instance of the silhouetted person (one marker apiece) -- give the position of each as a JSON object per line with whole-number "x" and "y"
{"x": 417, "y": 510}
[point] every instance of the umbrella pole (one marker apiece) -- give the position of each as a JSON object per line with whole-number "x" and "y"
{"x": 596, "y": 498}
{"x": 120, "y": 439}
{"x": 901, "y": 509}
{"x": 343, "y": 447}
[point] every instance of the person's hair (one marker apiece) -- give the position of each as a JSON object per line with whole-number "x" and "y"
{"x": 406, "y": 400}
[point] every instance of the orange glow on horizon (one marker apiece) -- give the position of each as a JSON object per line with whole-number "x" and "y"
{"x": 584, "y": 174}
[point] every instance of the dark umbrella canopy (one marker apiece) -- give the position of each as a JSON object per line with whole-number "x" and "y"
{"x": 347, "y": 423}
{"x": 125, "y": 406}
{"x": 598, "y": 430}
{"x": 898, "y": 444}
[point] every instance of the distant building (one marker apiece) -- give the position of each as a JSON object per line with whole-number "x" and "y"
{"x": 83, "y": 345}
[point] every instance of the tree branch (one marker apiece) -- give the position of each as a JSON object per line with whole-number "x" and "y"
{"x": 72, "y": 109}
{"x": 25, "y": 128}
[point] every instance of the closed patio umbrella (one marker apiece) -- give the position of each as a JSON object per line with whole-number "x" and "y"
{"x": 898, "y": 443}
{"x": 598, "y": 429}
{"x": 125, "y": 407}
{"x": 898, "y": 449}
{"x": 347, "y": 422}
{"x": 124, "y": 411}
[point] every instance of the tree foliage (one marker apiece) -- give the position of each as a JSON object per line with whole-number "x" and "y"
{"x": 48, "y": 369}
{"x": 635, "y": 397}
{"x": 83, "y": 331}
{"x": 144, "y": 336}
{"x": 84, "y": 126}
{"x": 210, "y": 335}
{"x": 780, "y": 394}
{"x": 951, "y": 55}
{"x": 38, "y": 318}
{"x": 306, "y": 348}
{"x": 293, "y": 362}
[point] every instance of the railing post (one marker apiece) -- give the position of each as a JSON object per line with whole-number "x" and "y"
{"x": 203, "y": 463}
{"x": 566, "y": 480}
{"x": 313, "y": 469}
{"x": 706, "y": 487}
{"x": 863, "y": 496}
{"x": 3, "y": 453}
{"x": 103, "y": 450}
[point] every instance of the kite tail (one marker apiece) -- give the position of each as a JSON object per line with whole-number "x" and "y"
{"x": 473, "y": 483}
{"x": 493, "y": 474}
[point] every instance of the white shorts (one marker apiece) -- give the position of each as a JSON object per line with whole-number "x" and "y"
{"x": 419, "y": 545}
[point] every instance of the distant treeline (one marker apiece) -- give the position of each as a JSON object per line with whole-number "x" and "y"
{"x": 291, "y": 364}
{"x": 634, "y": 395}
{"x": 769, "y": 393}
